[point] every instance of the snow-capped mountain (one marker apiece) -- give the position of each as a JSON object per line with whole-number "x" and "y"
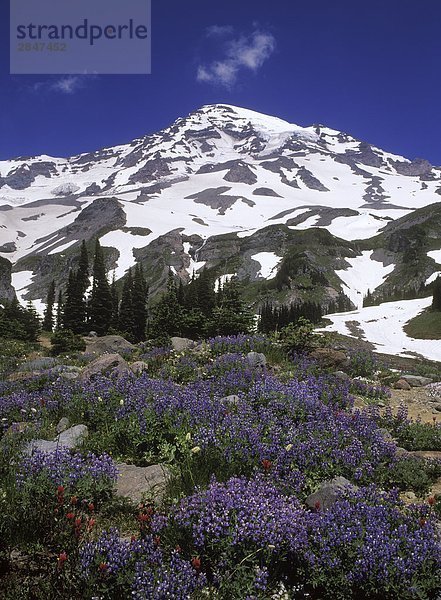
{"x": 223, "y": 187}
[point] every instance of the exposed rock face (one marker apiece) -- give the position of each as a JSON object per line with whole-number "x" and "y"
{"x": 7, "y": 292}
{"x": 241, "y": 173}
{"x": 419, "y": 166}
{"x": 310, "y": 181}
{"x": 24, "y": 175}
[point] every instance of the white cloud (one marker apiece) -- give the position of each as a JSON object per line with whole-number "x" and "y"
{"x": 219, "y": 30}
{"x": 68, "y": 85}
{"x": 247, "y": 52}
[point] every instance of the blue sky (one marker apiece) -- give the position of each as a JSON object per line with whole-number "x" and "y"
{"x": 371, "y": 69}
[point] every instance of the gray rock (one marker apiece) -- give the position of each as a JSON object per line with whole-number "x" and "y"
{"x": 93, "y": 334}
{"x": 342, "y": 375}
{"x": 328, "y": 493}
{"x": 417, "y": 380}
{"x": 63, "y": 424}
{"x": 106, "y": 365}
{"x": 139, "y": 367}
{"x": 328, "y": 357}
{"x": 70, "y": 438}
{"x": 107, "y": 344}
{"x": 180, "y": 344}
{"x": 402, "y": 384}
{"x": 434, "y": 391}
{"x": 256, "y": 360}
{"x": 386, "y": 434}
{"x": 135, "y": 482}
{"x": 233, "y": 399}
{"x": 39, "y": 364}
{"x": 69, "y": 375}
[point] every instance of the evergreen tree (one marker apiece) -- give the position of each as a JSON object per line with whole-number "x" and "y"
{"x": 231, "y": 316}
{"x": 436, "y": 301}
{"x": 139, "y": 303}
{"x": 18, "y": 322}
{"x": 59, "y": 315}
{"x": 167, "y": 315}
{"x": 75, "y": 308}
{"x": 48, "y": 321}
{"x": 83, "y": 268}
{"x": 100, "y": 306}
{"x": 114, "y": 323}
{"x": 126, "y": 315}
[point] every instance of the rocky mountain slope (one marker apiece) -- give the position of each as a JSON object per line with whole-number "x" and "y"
{"x": 299, "y": 213}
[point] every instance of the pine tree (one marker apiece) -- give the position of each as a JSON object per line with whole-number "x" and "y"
{"x": 231, "y": 316}
{"x": 167, "y": 314}
{"x": 126, "y": 315}
{"x": 114, "y": 323}
{"x": 18, "y": 322}
{"x": 83, "y": 268}
{"x": 139, "y": 303}
{"x": 100, "y": 305}
{"x": 436, "y": 301}
{"x": 59, "y": 314}
{"x": 48, "y": 321}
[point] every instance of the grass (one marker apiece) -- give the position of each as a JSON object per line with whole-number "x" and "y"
{"x": 426, "y": 326}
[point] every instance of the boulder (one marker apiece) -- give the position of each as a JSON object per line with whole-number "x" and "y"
{"x": 70, "y": 438}
{"x": 256, "y": 360}
{"x": 416, "y": 380}
{"x": 39, "y": 364}
{"x": 232, "y": 399}
{"x": 135, "y": 482}
{"x": 139, "y": 367}
{"x": 106, "y": 365}
{"x": 342, "y": 375}
{"x": 63, "y": 424}
{"x": 387, "y": 436}
{"x": 108, "y": 344}
{"x": 330, "y": 358}
{"x": 328, "y": 493}
{"x": 402, "y": 384}
{"x": 180, "y": 344}
{"x": 427, "y": 454}
{"x": 434, "y": 391}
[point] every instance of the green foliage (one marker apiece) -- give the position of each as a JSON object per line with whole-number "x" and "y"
{"x": 48, "y": 321}
{"x": 297, "y": 337}
{"x": 436, "y": 302}
{"x": 410, "y": 474}
{"x": 425, "y": 326}
{"x": 100, "y": 305}
{"x": 65, "y": 340}
{"x": 362, "y": 364}
{"x": 19, "y": 322}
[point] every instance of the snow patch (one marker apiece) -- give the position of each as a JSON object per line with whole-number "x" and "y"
{"x": 383, "y": 326}
{"x": 436, "y": 255}
{"x": 268, "y": 264}
{"x": 364, "y": 274}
